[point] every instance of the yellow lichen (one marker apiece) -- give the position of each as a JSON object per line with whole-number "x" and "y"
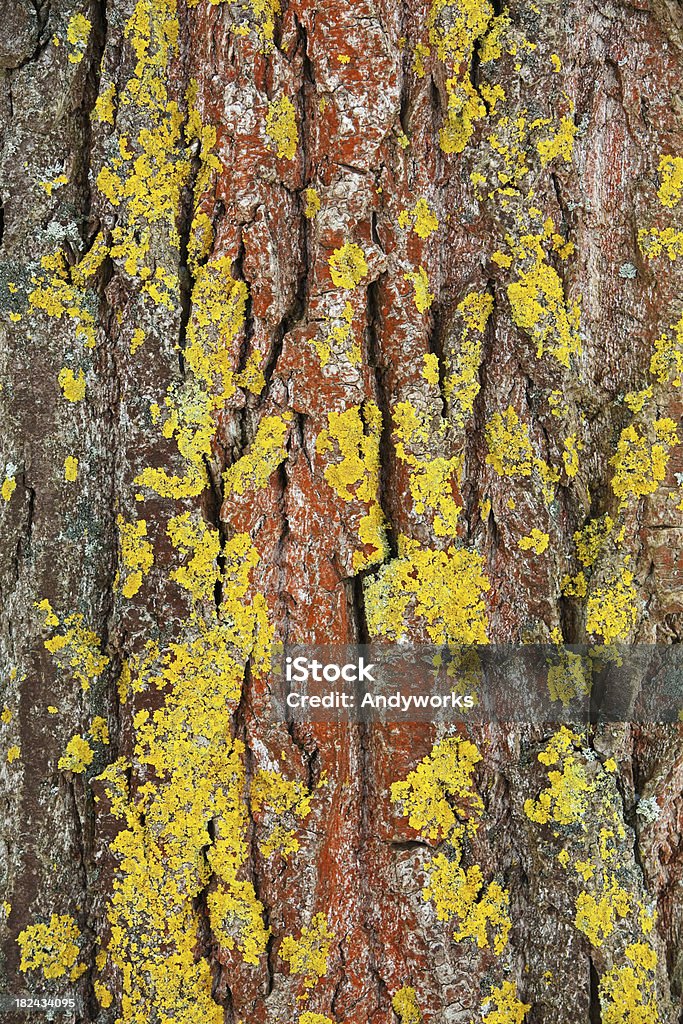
{"x": 596, "y": 917}
{"x": 671, "y": 180}
{"x": 265, "y": 454}
{"x": 77, "y": 756}
{"x": 627, "y": 993}
{"x": 70, "y": 468}
{"x": 312, "y": 207}
{"x": 281, "y": 127}
{"x": 422, "y": 297}
{"x": 79, "y": 645}
{"x": 421, "y": 218}
{"x": 639, "y": 463}
{"x": 137, "y": 554}
{"x": 354, "y": 436}
{"x": 72, "y": 384}
{"x": 444, "y": 590}
{"x": 612, "y": 610}
{"x": 536, "y": 541}
{"x": 667, "y": 360}
{"x": 78, "y": 33}
{"x": 308, "y": 954}
{"x": 9, "y": 486}
{"x": 509, "y": 1009}
{"x": 52, "y": 948}
{"x": 405, "y": 1005}
{"x": 564, "y": 801}
{"x": 348, "y": 266}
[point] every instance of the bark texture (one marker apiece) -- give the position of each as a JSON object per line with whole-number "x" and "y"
{"x": 318, "y": 322}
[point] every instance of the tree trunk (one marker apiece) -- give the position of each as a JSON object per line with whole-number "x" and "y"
{"x": 335, "y": 322}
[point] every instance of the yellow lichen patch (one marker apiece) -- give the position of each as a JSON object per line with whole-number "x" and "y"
{"x": 9, "y": 486}
{"x": 667, "y": 360}
{"x": 431, "y": 478}
{"x": 103, "y": 110}
{"x": 570, "y": 455}
{"x": 354, "y": 437}
{"x": 137, "y": 554}
{"x": 591, "y": 539}
{"x": 430, "y": 368}
{"x": 314, "y": 1018}
{"x": 439, "y": 799}
{"x": 70, "y": 468}
{"x": 421, "y": 218}
{"x": 348, "y": 265}
{"x": 59, "y": 291}
{"x": 190, "y": 535}
{"x": 312, "y": 207}
{"x": 422, "y": 296}
{"x": 265, "y": 454}
{"x": 187, "y": 832}
{"x": 461, "y": 385}
{"x": 627, "y": 993}
{"x": 308, "y": 954}
{"x": 78, "y": 33}
{"x": 639, "y": 463}
{"x": 536, "y": 541}
{"x": 281, "y": 127}
{"x": 52, "y": 948}
{"x": 565, "y": 799}
{"x": 510, "y": 451}
{"x": 6, "y": 716}
{"x": 655, "y": 242}
{"x": 559, "y": 143}
{"x": 568, "y": 676}
{"x": 538, "y": 303}
{"x": 439, "y": 796}
{"x": 13, "y": 753}
{"x": 503, "y": 1006}
{"x": 280, "y": 798}
{"x": 420, "y": 53}
{"x": 102, "y": 994}
{"x": 72, "y": 384}
{"x": 77, "y": 756}
{"x": 671, "y": 180}
{"x": 238, "y": 904}
{"x": 612, "y": 609}
{"x": 444, "y": 590}
{"x": 596, "y": 917}
{"x": 481, "y": 911}
{"x": 405, "y": 1005}
{"x": 79, "y": 646}
{"x": 99, "y": 730}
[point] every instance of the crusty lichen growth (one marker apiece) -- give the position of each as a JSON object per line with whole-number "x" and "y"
{"x": 77, "y": 34}
{"x": 510, "y": 452}
{"x": 432, "y": 478}
{"x": 352, "y": 439}
{"x": 137, "y": 554}
{"x": 439, "y": 800}
{"x": 503, "y": 1006}
{"x": 308, "y": 955}
{"x": 627, "y": 992}
{"x": 75, "y": 646}
{"x": 422, "y": 297}
{"x": 421, "y": 219}
{"x": 348, "y": 265}
{"x": 671, "y": 180}
{"x": 640, "y": 462}
{"x": 265, "y": 454}
{"x": 442, "y": 591}
{"x": 461, "y": 385}
{"x": 405, "y": 1005}
{"x": 78, "y": 755}
{"x": 281, "y": 127}
{"x": 52, "y": 948}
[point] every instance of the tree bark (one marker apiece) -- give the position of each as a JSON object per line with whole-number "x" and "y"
{"x": 327, "y": 323}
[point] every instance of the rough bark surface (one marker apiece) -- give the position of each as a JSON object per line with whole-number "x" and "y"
{"x": 353, "y": 315}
